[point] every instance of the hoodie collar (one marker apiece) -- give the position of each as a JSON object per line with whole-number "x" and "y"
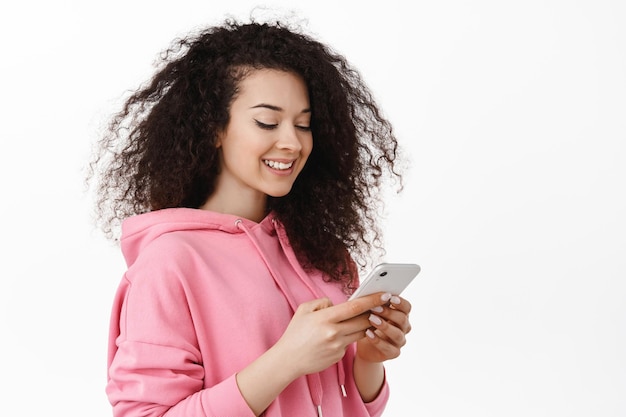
{"x": 138, "y": 231}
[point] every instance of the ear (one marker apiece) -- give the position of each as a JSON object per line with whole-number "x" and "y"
{"x": 219, "y": 138}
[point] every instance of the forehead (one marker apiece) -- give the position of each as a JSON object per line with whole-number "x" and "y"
{"x": 281, "y": 87}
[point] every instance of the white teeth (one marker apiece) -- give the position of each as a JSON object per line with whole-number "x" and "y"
{"x": 278, "y": 165}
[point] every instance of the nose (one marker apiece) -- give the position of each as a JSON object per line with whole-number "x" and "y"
{"x": 288, "y": 139}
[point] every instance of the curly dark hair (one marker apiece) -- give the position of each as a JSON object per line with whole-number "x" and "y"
{"x": 159, "y": 150}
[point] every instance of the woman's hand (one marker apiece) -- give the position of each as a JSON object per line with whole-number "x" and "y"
{"x": 390, "y": 325}
{"x": 319, "y": 332}
{"x": 317, "y": 337}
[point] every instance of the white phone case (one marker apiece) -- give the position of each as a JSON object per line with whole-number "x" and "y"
{"x": 387, "y": 277}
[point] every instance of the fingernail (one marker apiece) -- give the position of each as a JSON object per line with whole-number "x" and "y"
{"x": 395, "y": 300}
{"x": 386, "y": 297}
{"x": 370, "y": 334}
{"x": 378, "y": 309}
{"x": 375, "y": 319}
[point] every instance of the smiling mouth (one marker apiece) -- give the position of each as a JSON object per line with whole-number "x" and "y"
{"x": 278, "y": 165}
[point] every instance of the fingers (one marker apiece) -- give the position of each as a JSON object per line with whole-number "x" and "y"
{"x": 387, "y": 331}
{"x": 381, "y": 348}
{"x": 396, "y": 314}
{"x": 358, "y": 306}
{"x": 399, "y": 303}
{"x": 389, "y": 314}
{"x": 391, "y": 324}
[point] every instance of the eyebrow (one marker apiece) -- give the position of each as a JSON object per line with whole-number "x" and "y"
{"x": 276, "y": 108}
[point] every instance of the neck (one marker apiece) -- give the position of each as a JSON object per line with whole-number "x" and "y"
{"x": 255, "y": 211}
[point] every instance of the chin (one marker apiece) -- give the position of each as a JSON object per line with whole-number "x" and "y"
{"x": 278, "y": 193}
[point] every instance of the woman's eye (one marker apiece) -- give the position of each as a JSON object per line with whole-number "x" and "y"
{"x": 265, "y": 126}
{"x": 303, "y": 128}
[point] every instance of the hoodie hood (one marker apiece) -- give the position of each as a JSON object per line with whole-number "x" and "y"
{"x": 139, "y": 231}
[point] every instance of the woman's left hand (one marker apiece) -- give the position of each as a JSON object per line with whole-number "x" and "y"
{"x": 388, "y": 333}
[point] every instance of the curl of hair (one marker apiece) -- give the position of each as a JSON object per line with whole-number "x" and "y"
{"x": 159, "y": 150}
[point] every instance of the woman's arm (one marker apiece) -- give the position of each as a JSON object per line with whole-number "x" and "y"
{"x": 390, "y": 325}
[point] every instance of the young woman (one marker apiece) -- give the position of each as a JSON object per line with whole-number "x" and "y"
{"x": 245, "y": 177}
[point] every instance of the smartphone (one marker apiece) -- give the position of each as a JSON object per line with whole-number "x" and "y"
{"x": 387, "y": 277}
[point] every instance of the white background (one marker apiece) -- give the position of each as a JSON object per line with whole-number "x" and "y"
{"x": 513, "y": 115}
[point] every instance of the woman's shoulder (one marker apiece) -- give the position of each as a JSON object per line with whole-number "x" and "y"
{"x": 179, "y": 247}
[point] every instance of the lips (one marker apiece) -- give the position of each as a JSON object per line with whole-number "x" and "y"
{"x": 281, "y": 166}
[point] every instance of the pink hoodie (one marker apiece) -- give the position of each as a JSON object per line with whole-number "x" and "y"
{"x": 205, "y": 294}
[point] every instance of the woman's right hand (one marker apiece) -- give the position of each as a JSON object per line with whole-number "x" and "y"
{"x": 317, "y": 337}
{"x": 319, "y": 332}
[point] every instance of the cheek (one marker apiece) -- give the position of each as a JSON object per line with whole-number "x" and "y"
{"x": 307, "y": 147}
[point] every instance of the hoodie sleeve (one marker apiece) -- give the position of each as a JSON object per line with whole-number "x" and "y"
{"x": 155, "y": 367}
{"x": 376, "y": 407}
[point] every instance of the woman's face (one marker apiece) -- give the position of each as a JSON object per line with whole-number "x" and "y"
{"x": 267, "y": 140}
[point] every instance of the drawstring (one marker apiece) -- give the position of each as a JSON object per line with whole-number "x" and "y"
{"x": 316, "y": 391}
{"x": 313, "y": 380}
{"x": 284, "y": 243}
{"x": 274, "y": 274}
{"x": 341, "y": 374}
